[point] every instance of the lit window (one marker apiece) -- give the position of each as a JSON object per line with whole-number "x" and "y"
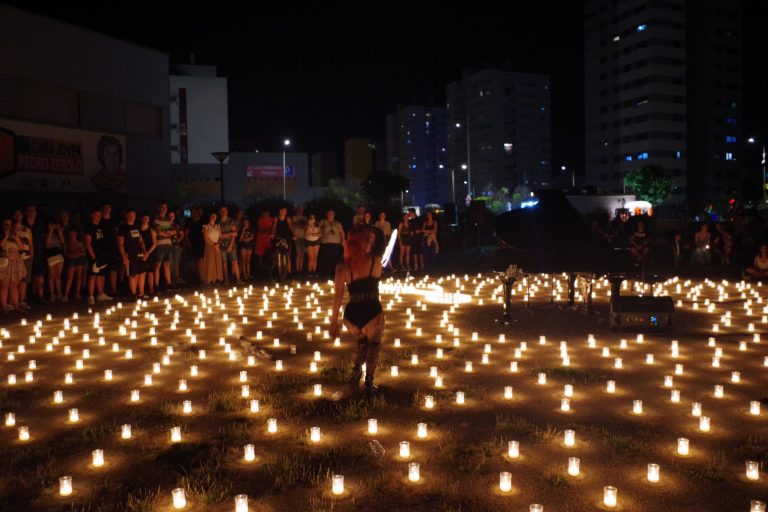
{"x": 678, "y": 154}
{"x": 733, "y": 104}
{"x": 628, "y": 158}
{"x": 642, "y": 27}
{"x": 508, "y": 147}
{"x": 616, "y": 39}
{"x": 729, "y": 156}
{"x": 642, "y": 156}
{"x": 730, "y": 139}
{"x": 730, "y": 120}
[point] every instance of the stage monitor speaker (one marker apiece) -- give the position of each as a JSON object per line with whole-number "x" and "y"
{"x": 642, "y": 313}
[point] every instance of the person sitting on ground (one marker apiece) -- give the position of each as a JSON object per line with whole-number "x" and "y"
{"x": 759, "y": 266}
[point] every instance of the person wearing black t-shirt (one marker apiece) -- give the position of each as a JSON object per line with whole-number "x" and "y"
{"x": 98, "y": 257}
{"x": 108, "y": 226}
{"x": 193, "y": 234}
{"x": 133, "y": 253}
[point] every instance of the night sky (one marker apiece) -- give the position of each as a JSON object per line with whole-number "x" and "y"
{"x": 323, "y": 73}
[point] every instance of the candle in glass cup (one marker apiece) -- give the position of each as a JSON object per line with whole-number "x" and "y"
{"x": 756, "y": 506}
{"x": 249, "y": 453}
{"x": 314, "y": 434}
{"x": 535, "y": 507}
{"x": 24, "y": 433}
{"x": 405, "y": 449}
{"x": 125, "y": 431}
{"x": 179, "y": 498}
{"x": 754, "y": 408}
{"x": 175, "y": 434}
{"x": 508, "y": 392}
{"x": 97, "y": 458}
{"x": 413, "y": 472}
{"x": 271, "y": 425}
{"x": 186, "y": 407}
{"x": 74, "y": 416}
{"x": 569, "y": 438}
{"x": 753, "y": 470}
{"x": 682, "y": 446}
{"x": 373, "y": 426}
{"x": 610, "y": 496}
{"x": 337, "y": 487}
{"x": 574, "y": 466}
{"x": 704, "y": 424}
{"x": 254, "y": 406}
{"x": 653, "y": 473}
{"x": 696, "y": 409}
{"x": 421, "y": 430}
{"x": 637, "y": 407}
{"x": 610, "y": 386}
{"x": 65, "y": 485}
{"x": 505, "y": 481}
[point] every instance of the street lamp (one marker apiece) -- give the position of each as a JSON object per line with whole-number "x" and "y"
{"x": 573, "y": 175}
{"x": 286, "y": 144}
{"x": 221, "y": 156}
{"x": 467, "y": 166}
{"x": 752, "y": 140}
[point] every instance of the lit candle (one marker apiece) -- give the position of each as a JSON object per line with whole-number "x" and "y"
{"x": 653, "y": 473}
{"x": 637, "y": 407}
{"x": 459, "y": 398}
{"x": 682, "y": 446}
{"x": 65, "y": 485}
{"x": 125, "y": 431}
{"x": 98, "y": 458}
{"x": 421, "y": 430}
{"x": 394, "y": 371}
{"x": 610, "y": 386}
{"x": 704, "y": 423}
{"x": 610, "y": 496}
{"x": 175, "y": 434}
{"x": 668, "y": 381}
{"x": 513, "y": 367}
{"x": 317, "y": 389}
{"x": 249, "y": 453}
{"x": 695, "y": 409}
{"x": 565, "y": 404}
{"x": 271, "y": 425}
{"x": 373, "y": 425}
{"x": 10, "y": 419}
{"x": 675, "y": 396}
{"x": 337, "y": 487}
{"x": 241, "y": 503}
{"x": 508, "y": 392}
{"x": 542, "y": 378}
{"x": 754, "y": 408}
{"x": 254, "y": 406}
{"x": 573, "y": 466}
{"x": 23, "y": 433}
{"x": 134, "y": 395}
{"x": 569, "y": 438}
{"x": 648, "y": 358}
{"x": 535, "y": 507}
{"x": 513, "y": 449}
{"x": 413, "y": 472}
{"x": 74, "y": 416}
{"x": 735, "y": 377}
{"x": 505, "y": 481}
{"x": 753, "y": 470}
{"x": 186, "y": 407}
{"x": 405, "y": 449}
{"x": 314, "y": 434}
{"x": 756, "y": 506}
{"x": 718, "y": 391}
{"x": 179, "y": 499}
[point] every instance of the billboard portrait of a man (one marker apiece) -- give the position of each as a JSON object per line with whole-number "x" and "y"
{"x": 111, "y": 175}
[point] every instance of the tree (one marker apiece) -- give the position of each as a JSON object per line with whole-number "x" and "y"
{"x": 381, "y": 186}
{"x": 497, "y": 200}
{"x": 650, "y": 183}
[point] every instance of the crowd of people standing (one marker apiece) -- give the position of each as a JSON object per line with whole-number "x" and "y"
{"x": 68, "y": 257}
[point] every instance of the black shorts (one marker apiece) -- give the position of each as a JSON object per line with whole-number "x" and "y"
{"x": 136, "y": 265}
{"x": 115, "y": 262}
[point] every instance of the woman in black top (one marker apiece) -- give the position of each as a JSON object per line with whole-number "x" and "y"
{"x": 363, "y": 316}
{"x": 149, "y": 237}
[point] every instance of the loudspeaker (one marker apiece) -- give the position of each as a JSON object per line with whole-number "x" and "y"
{"x": 641, "y": 312}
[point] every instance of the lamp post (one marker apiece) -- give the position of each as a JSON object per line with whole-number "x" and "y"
{"x": 468, "y": 165}
{"x": 286, "y": 144}
{"x": 752, "y": 140}
{"x": 564, "y": 168}
{"x": 221, "y": 156}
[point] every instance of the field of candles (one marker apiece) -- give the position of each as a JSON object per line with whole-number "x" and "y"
{"x": 238, "y": 399}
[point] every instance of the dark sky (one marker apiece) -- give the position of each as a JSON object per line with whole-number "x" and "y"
{"x": 327, "y": 72}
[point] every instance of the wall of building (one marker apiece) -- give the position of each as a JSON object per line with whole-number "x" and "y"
{"x": 358, "y": 160}
{"x": 207, "y": 118}
{"x": 54, "y": 74}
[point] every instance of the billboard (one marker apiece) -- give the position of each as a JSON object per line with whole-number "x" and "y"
{"x": 269, "y": 171}
{"x": 62, "y": 159}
